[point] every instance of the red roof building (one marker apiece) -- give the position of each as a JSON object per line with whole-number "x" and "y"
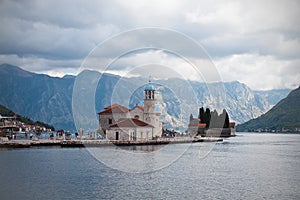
{"x": 121, "y": 123}
{"x": 232, "y": 124}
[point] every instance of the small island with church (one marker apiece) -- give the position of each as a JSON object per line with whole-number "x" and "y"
{"x": 140, "y": 125}
{"x": 211, "y": 124}
{"x": 143, "y": 123}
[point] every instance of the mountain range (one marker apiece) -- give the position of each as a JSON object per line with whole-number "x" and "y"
{"x": 272, "y": 96}
{"x": 284, "y": 116}
{"x": 49, "y": 99}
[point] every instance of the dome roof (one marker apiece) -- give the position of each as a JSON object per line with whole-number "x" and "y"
{"x": 149, "y": 87}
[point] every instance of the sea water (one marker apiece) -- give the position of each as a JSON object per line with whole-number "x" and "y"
{"x": 248, "y": 166}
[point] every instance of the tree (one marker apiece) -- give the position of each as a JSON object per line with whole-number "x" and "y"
{"x": 226, "y": 122}
{"x": 201, "y": 114}
{"x": 207, "y": 117}
{"x": 213, "y": 119}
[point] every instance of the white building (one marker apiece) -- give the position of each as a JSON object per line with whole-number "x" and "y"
{"x": 138, "y": 123}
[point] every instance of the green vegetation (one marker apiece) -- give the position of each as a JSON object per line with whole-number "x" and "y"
{"x": 284, "y": 116}
{"x": 213, "y": 119}
{"x": 8, "y": 113}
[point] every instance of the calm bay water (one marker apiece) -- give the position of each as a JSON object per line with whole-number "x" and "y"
{"x": 249, "y": 166}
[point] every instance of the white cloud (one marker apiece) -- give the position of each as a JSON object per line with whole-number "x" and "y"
{"x": 265, "y": 27}
{"x": 260, "y": 72}
{"x": 48, "y": 36}
{"x": 157, "y": 63}
{"x": 40, "y": 65}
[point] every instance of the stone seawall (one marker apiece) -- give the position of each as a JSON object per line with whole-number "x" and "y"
{"x": 96, "y": 143}
{"x": 219, "y": 132}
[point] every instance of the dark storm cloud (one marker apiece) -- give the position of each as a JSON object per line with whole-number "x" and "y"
{"x": 66, "y": 29}
{"x": 60, "y": 34}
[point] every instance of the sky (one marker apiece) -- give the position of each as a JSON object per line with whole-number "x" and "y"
{"x": 256, "y": 42}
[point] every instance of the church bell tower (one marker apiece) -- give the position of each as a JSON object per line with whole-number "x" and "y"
{"x": 151, "y": 111}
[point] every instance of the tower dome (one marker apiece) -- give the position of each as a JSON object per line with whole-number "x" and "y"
{"x": 149, "y": 86}
{"x": 149, "y": 91}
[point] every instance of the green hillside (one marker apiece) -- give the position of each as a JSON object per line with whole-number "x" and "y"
{"x": 8, "y": 113}
{"x": 284, "y": 115}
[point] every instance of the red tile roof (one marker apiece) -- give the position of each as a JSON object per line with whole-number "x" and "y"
{"x": 115, "y": 108}
{"x": 232, "y": 124}
{"x": 140, "y": 107}
{"x": 111, "y": 106}
{"x": 130, "y": 122}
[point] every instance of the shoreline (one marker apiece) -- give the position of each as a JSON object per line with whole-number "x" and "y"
{"x": 100, "y": 143}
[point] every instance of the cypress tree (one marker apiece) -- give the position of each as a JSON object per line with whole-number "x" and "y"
{"x": 207, "y": 117}
{"x": 201, "y": 115}
{"x": 226, "y": 123}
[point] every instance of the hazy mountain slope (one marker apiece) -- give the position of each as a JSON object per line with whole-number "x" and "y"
{"x": 273, "y": 96}
{"x": 37, "y": 96}
{"x": 285, "y": 115}
{"x": 49, "y": 99}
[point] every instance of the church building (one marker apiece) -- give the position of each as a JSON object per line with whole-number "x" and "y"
{"x": 137, "y": 123}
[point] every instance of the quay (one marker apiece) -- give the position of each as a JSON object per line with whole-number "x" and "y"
{"x": 4, "y": 143}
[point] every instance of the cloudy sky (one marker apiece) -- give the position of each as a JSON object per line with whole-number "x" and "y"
{"x": 254, "y": 42}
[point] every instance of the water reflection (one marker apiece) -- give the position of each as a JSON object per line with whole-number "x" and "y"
{"x": 142, "y": 148}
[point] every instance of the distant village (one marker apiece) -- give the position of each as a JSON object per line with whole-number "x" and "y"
{"x": 10, "y": 126}
{"x": 270, "y": 130}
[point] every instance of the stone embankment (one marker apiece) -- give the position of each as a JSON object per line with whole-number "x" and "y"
{"x": 4, "y": 142}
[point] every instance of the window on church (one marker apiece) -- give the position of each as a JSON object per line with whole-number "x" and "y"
{"x": 109, "y": 121}
{"x": 133, "y": 136}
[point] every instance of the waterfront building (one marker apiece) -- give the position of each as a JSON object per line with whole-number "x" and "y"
{"x": 137, "y": 123}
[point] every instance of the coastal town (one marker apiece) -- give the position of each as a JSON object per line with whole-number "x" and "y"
{"x": 11, "y": 126}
